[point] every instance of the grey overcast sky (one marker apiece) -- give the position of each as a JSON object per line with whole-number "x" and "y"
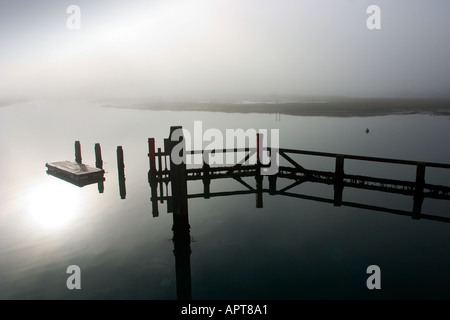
{"x": 128, "y": 48}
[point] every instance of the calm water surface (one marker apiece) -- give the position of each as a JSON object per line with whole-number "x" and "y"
{"x": 289, "y": 249}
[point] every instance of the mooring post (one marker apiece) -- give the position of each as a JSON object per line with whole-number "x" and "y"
{"x": 259, "y": 138}
{"x": 181, "y": 227}
{"x": 420, "y": 177}
{"x": 154, "y": 197}
{"x": 151, "y": 155}
{"x": 338, "y": 190}
{"x": 99, "y": 165}
{"x": 160, "y": 172}
{"x": 98, "y": 156}
{"x": 121, "y": 171}
{"x": 339, "y": 169}
{"x": 273, "y": 184}
{"x": 418, "y": 191}
{"x": 160, "y": 169}
{"x": 259, "y": 193}
{"x": 338, "y": 180}
{"x": 178, "y": 172}
{"x": 77, "y": 152}
{"x": 206, "y": 179}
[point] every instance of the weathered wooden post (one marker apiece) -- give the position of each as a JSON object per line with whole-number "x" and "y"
{"x": 418, "y": 190}
{"x": 273, "y": 184}
{"x": 160, "y": 168}
{"x": 181, "y": 227}
{"x": 77, "y": 152}
{"x": 154, "y": 197}
{"x": 151, "y": 155}
{"x": 259, "y": 140}
{"x": 99, "y": 164}
{"x": 98, "y": 156}
{"x": 121, "y": 171}
{"x": 258, "y": 176}
{"x": 206, "y": 179}
{"x": 338, "y": 180}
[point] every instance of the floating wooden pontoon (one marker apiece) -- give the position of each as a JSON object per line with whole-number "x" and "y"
{"x": 76, "y": 172}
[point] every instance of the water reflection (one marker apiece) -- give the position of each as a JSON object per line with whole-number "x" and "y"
{"x": 53, "y": 203}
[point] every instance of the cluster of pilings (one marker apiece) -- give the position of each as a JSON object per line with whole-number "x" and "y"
{"x": 99, "y": 164}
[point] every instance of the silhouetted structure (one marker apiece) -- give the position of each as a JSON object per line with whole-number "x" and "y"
{"x": 76, "y": 172}
{"x": 178, "y": 175}
{"x": 121, "y": 173}
{"x": 418, "y": 189}
{"x": 99, "y": 165}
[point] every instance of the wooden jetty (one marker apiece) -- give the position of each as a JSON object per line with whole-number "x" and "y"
{"x": 162, "y": 171}
{"x": 76, "y": 172}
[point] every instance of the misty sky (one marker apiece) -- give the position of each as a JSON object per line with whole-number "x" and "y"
{"x": 143, "y": 48}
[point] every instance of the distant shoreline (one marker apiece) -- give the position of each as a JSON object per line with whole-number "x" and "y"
{"x": 351, "y": 107}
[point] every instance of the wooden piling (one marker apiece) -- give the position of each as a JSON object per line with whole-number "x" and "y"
{"x": 99, "y": 165}
{"x": 418, "y": 191}
{"x": 206, "y": 179}
{"x": 121, "y": 171}
{"x": 178, "y": 175}
{"x": 339, "y": 170}
{"x": 420, "y": 178}
{"x": 272, "y": 185}
{"x": 338, "y": 191}
{"x": 259, "y": 138}
{"x": 98, "y": 156}
{"x": 160, "y": 169}
{"x": 151, "y": 155}
{"x": 259, "y": 193}
{"x": 154, "y": 197}
{"x": 77, "y": 152}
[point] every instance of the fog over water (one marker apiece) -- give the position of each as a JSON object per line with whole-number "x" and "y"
{"x": 201, "y": 49}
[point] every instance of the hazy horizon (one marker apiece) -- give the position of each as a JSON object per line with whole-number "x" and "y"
{"x": 224, "y": 48}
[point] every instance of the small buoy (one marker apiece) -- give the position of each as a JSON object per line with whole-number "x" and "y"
{"x": 367, "y": 130}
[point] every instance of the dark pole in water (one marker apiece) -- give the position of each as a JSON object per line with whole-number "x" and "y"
{"x": 181, "y": 227}
{"x": 273, "y": 184}
{"x": 258, "y": 176}
{"x": 99, "y": 164}
{"x": 121, "y": 170}
{"x": 206, "y": 179}
{"x": 418, "y": 192}
{"x": 338, "y": 180}
{"x": 151, "y": 155}
{"x": 77, "y": 152}
{"x": 98, "y": 156}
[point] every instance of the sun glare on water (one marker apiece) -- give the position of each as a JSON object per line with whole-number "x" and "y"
{"x": 53, "y": 203}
